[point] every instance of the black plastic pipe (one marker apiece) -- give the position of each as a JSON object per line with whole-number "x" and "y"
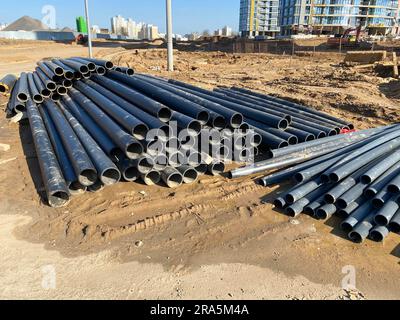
{"x": 362, "y": 230}
{"x": 318, "y": 133}
{"x": 381, "y": 198}
{"x": 91, "y": 66}
{"x": 189, "y": 174}
{"x": 132, "y": 124}
{"x": 351, "y": 195}
{"x": 7, "y": 83}
{"x": 50, "y": 85}
{"x": 302, "y": 136}
{"x": 48, "y": 72}
{"x": 151, "y": 178}
{"x": 302, "y": 190}
{"x": 394, "y": 224}
{"x": 291, "y": 139}
{"x": 379, "y": 233}
{"x": 383, "y": 180}
{"x": 128, "y": 170}
{"x": 69, "y": 73}
{"x": 81, "y": 162}
{"x": 33, "y": 91}
{"x": 14, "y": 105}
{"x": 55, "y": 69}
{"x": 77, "y": 66}
{"x": 357, "y": 216}
{"x": 23, "y": 90}
{"x": 45, "y": 93}
{"x": 74, "y": 186}
{"x": 104, "y": 63}
{"x": 55, "y": 185}
{"x": 136, "y": 98}
{"x": 216, "y": 168}
{"x": 108, "y": 173}
{"x": 125, "y": 70}
{"x": 387, "y": 212}
{"x": 128, "y": 144}
{"x": 172, "y": 177}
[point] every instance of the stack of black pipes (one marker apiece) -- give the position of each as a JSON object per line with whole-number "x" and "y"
{"x": 96, "y": 119}
{"x": 358, "y": 181}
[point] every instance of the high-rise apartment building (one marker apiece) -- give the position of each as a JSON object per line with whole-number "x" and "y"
{"x": 259, "y": 18}
{"x": 335, "y": 16}
{"x": 132, "y": 29}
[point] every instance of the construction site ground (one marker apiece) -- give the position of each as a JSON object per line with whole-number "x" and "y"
{"x": 215, "y": 239}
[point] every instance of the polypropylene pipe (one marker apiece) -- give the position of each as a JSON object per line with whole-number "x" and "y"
{"x": 14, "y": 105}
{"x": 189, "y": 174}
{"x": 132, "y": 124}
{"x": 34, "y": 92}
{"x": 48, "y": 72}
{"x": 381, "y": 198}
{"x": 101, "y": 70}
{"x": 302, "y": 136}
{"x": 81, "y": 162}
{"x": 23, "y": 91}
{"x": 379, "y": 233}
{"x": 50, "y": 85}
{"x": 162, "y": 130}
{"x": 104, "y": 63}
{"x": 144, "y": 164}
{"x": 186, "y": 123}
{"x": 74, "y": 186}
{"x": 172, "y": 177}
{"x": 77, "y": 66}
{"x": 270, "y": 139}
{"x": 291, "y": 139}
{"x": 381, "y": 168}
{"x": 352, "y": 207}
{"x": 101, "y": 137}
{"x": 383, "y": 180}
{"x": 128, "y": 170}
{"x": 326, "y": 211}
{"x": 128, "y": 144}
{"x": 56, "y": 69}
{"x": 40, "y": 86}
{"x": 216, "y": 168}
{"x": 351, "y": 195}
{"x": 151, "y": 178}
{"x": 7, "y": 83}
{"x": 161, "y": 95}
{"x": 362, "y": 229}
{"x": 91, "y": 66}
{"x": 125, "y": 70}
{"x": 358, "y": 215}
{"x": 216, "y": 120}
{"x": 108, "y": 173}
{"x": 294, "y": 105}
{"x": 394, "y": 224}
{"x": 387, "y": 212}
{"x": 69, "y": 73}
{"x": 55, "y": 185}
{"x": 318, "y": 133}
{"x": 302, "y": 190}
{"x": 160, "y": 162}
{"x": 136, "y": 98}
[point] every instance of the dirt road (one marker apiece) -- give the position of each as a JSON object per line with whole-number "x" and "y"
{"x": 218, "y": 238}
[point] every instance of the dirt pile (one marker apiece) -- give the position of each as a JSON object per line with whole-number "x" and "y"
{"x": 26, "y": 23}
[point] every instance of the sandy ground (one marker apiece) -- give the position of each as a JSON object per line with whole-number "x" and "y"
{"x": 218, "y": 238}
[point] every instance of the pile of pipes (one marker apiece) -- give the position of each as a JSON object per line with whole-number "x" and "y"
{"x": 356, "y": 177}
{"x": 93, "y": 123}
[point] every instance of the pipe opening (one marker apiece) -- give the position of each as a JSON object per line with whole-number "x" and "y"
{"x": 290, "y": 199}
{"x": 164, "y": 114}
{"x": 325, "y": 178}
{"x": 151, "y": 178}
{"x": 329, "y": 198}
{"x": 279, "y": 203}
{"x": 145, "y": 165}
{"x": 37, "y": 98}
{"x": 134, "y": 150}
{"x": 155, "y": 147}
{"x": 174, "y": 180}
{"x": 59, "y": 71}
{"x": 346, "y": 227}
{"x": 87, "y": 177}
{"x": 58, "y": 199}
{"x": 83, "y": 69}
{"x": 67, "y": 83}
{"x": 289, "y": 119}
{"x": 332, "y": 133}
{"x": 131, "y": 174}
{"x": 55, "y": 97}
{"x": 236, "y": 120}
{"x": 140, "y": 131}
{"x": 76, "y": 188}
{"x": 2, "y": 88}
{"x": 194, "y": 159}
{"x": 381, "y": 220}
{"x": 69, "y": 75}
{"x": 118, "y": 69}
{"x": 101, "y": 71}
{"x": 290, "y": 212}
{"x": 376, "y": 236}
{"x": 394, "y": 227}
{"x": 321, "y": 214}
{"x": 244, "y": 127}
{"x": 321, "y": 135}
{"x": 293, "y": 140}
{"x": 194, "y": 128}
{"x": 310, "y": 137}
{"x": 175, "y": 159}
{"x": 110, "y": 176}
{"x": 342, "y": 204}
{"x": 62, "y": 90}
{"x": 23, "y": 97}
{"x": 46, "y": 93}
{"x": 190, "y": 176}
{"x": 203, "y": 117}
{"x": 217, "y": 168}
{"x": 77, "y": 75}
{"x": 283, "y": 144}
{"x": 19, "y": 108}
{"x": 309, "y": 211}
{"x": 334, "y": 177}
{"x": 109, "y": 65}
{"x": 283, "y": 124}
{"x": 130, "y": 72}
{"x": 86, "y": 75}
{"x": 96, "y": 187}
{"x": 355, "y": 237}
{"x": 91, "y": 66}
{"x": 51, "y": 86}
{"x": 298, "y": 177}
{"x": 393, "y": 188}
{"x": 378, "y": 203}
{"x": 202, "y": 168}
{"x": 256, "y": 140}
{"x": 219, "y": 123}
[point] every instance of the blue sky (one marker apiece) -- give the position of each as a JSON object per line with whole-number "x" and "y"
{"x": 189, "y": 15}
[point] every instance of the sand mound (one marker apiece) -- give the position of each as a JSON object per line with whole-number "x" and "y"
{"x": 27, "y": 24}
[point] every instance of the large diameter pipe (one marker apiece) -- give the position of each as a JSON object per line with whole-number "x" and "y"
{"x": 101, "y": 137}
{"x": 34, "y": 92}
{"x": 132, "y": 124}
{"x": 172, "y": 177}
{"x": 108, "y": 173}
{"x": 55, "y": 185}
{"x": 7, "y": 83}
{"x": 81, "y": 162}
{"x": 23, "y": 90}
{"x": 128, "y": 144}
{"x": 161, "y": 95}
{"x": 162, "y": 130}
{"x": 136, "y": 98}
{"x": 271, "y": 120}
{"x": 74, "y": 186}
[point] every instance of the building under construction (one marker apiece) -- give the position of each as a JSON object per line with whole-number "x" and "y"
{"x": 287, "y": 17}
